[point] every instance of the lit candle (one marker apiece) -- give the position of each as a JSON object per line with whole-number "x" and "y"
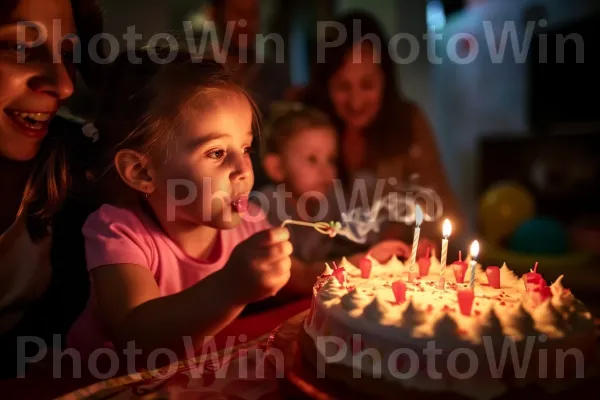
{"x": 474, "y": 251}
{"x": 446, "y": 231}
{"x": 418, "y": 221}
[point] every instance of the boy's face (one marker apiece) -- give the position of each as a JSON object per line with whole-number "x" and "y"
{"x": 309, "y": 161}
{"x": 209, "y": 156}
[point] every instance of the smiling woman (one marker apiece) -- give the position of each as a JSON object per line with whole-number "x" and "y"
{"x": 37, "y": 156}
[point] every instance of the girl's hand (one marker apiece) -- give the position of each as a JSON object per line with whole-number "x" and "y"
{"x": 383, "y": 251}
{"x": 260, "y": 266}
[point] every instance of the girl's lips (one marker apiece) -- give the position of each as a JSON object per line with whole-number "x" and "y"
{"x": 30, "y": 124}
{"x": 240, "y": 204}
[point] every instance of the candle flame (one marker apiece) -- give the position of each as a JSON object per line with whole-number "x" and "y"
{"x": 446, "y": 228}
{"x": 418, "y": 215}
{"x": 474, "y": 249}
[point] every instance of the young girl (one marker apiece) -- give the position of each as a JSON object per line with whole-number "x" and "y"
{"x": 173, "y": 255}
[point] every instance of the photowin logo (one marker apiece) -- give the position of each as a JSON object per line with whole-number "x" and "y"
{"x": 505, "y": 41}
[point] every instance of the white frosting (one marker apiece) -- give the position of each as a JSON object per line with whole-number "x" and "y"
{"x": 347, "y": 265}
{"x": 549, "y": 320}
{"x": 520, "y": 323}
{"x": 377, "y": 310}
{"x": 332, "y": 289}
{"x": 507, "y": 277}
{"x": 328, "y": 270}
{"x": 445, "y": 326}
{"x": 354, "y": 299}
{"x": 411, "y": 316}
{"x": 490, "y": 324}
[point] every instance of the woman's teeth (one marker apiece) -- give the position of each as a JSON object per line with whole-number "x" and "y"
{"x": 33, "y": 120}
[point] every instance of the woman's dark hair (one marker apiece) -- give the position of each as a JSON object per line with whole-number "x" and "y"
{"x": 390, "y": 132}
{"x": 58, "y": 165}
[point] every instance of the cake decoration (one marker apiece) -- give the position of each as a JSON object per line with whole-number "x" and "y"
{"x": 386, "y": 312}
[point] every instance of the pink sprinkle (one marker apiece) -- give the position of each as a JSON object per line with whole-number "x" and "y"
{"x": 502, "y": 303}
{"x": 477, "y": 312}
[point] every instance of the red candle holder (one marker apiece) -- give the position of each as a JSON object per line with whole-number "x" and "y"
{"x": 339, "y": 274}
{"x": 365, "y": 266}
{"x": 399, "y": 289}
{"x": 540, "y": 293}
{"x": 465, "y": 301}
{"x": 411, "y": 276}
{"x": 532, "y": 280}
{"x": 460, "y": 270}
{"x": 493, "y": 275}
{"x": 424, "y": 264}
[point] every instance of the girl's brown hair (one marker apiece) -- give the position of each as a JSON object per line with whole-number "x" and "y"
{"x": 58, "y": 165}
{"x": 391, "y": 130}
{"x": 145, "y": 103}
{"x": 288, "y": 119}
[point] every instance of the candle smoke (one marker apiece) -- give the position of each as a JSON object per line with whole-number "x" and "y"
{"x": 357, "y": 223}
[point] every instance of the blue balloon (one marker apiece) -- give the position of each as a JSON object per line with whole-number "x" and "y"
{"x": 540, "y": 236}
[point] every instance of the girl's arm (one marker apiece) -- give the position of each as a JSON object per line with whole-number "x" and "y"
{"x": 131, "y": 306}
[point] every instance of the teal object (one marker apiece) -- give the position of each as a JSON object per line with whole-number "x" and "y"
{"x": 540, "y": 236}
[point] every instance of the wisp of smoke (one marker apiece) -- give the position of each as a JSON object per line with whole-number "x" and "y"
{"x": 357, "y": 223}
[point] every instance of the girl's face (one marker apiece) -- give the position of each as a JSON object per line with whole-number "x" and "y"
{"x": 309, "y": 161}
{"x": 356, "y": 89}
{"x": 207, "y": 175}
{"x": 36, "y": 75}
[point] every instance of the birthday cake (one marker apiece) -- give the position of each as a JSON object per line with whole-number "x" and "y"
{"x": 389, "y": 328}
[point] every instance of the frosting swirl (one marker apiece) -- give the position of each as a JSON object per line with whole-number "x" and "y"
{"x": 490, "y": 323}
{"x": 412, "y": 316}
{"x": 331, "y": 289}
{"x": 549, "y": 319}
{"x": 328, "y": 270}
{"x": 507, "y": 277}
{"x": 353, "y": 300}
{"x": 521, "y": 322}
{"x": 377, "y": 309}
{"x": 445, "y": 326}
{"x": 347, "y": 265}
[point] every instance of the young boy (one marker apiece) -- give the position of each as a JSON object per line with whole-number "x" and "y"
{"x": 300, "y": 158}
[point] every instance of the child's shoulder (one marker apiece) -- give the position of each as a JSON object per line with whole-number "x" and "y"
{"x": 109, "y": 216}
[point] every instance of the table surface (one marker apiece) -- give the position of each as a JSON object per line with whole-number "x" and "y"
{"x": 256, "y": 327}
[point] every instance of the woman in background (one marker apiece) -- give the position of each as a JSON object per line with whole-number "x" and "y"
{"x": 43, "y": 281}
{"x": 382, "y": 134}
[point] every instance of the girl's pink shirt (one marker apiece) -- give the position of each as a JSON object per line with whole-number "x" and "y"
{"x": 118, "y": 236}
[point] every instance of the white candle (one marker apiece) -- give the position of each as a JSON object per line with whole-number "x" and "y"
{"x": 418, "y": 221}
{"x": 474, "y": 251}
{"x": 446, "y": 231}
